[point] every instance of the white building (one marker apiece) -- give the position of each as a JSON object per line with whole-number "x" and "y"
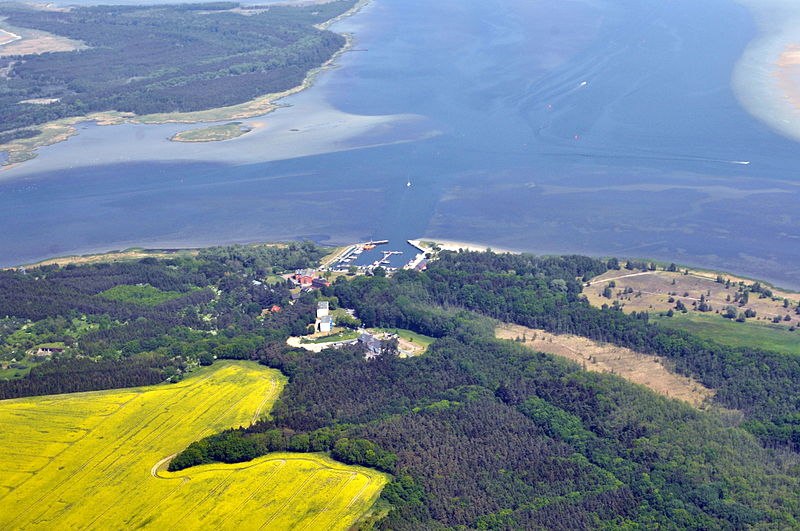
{"x": 322, "y": 309}
{"x": 325, "y": 323}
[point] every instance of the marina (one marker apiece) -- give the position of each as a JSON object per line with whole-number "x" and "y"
{"x": 351, "y": 257}
{"x": 355, "y": 256}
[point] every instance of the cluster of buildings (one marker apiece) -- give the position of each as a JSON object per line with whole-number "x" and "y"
{"x": 308, "y": 279}
{"x": 272, "y": 309}
{"x": 325, "y": 323}
{"x": 48, "y": 351}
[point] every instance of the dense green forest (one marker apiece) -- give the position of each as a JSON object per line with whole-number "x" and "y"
{"x": 166, "y": 58}
{"x": 477, "y": 432}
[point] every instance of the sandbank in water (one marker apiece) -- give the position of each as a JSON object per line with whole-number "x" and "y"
{"x": 766, "y": 79}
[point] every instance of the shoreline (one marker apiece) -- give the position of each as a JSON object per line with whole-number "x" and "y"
{"x": 454, "y": 245}
{"x": 12, "y": 37}
{"x": 424, "y": 244}
{"x": 21, "y": 150}
{"x": 694, "y": 270}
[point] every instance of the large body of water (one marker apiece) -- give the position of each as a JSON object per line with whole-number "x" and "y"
{"x": 606, "y": 127}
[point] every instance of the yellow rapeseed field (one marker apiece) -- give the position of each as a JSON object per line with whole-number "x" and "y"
{"x": 98, "y": 461}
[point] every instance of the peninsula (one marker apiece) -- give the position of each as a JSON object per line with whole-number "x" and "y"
{"x": 228, "y": 62}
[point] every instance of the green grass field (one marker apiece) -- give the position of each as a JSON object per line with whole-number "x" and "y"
{"x": 12, "y": 372}
{"x": 144, "y": 294}
{"x": 729, "y": 332}
{"x": 98, "y": 461}
{"x": 344, "y": 335}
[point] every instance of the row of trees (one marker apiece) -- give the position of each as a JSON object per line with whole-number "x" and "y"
{"x": 74, "y": 375}
{"x": 236, "y": 446}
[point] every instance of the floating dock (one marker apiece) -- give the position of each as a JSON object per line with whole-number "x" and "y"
{"x": 352, "y": 253}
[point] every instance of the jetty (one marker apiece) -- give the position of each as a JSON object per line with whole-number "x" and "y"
{"x": 350, "y": 255}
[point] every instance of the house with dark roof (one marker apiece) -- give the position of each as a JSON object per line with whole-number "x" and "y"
{"x": 320, "y": 283}
{"x": 372, "y": 344}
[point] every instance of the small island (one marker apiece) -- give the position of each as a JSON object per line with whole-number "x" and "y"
{"x": 214, "y": 133}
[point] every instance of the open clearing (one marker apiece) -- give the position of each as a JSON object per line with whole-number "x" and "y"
{"x": 142, "y": 294}
{"x": 408, "y": 343}
{"x": 29, "y": 42}
{"x": 115, "y": 256}
{"x": 97, "y": 461}
{"x": 651, "y": 291}
{"x": 767, "y": 336}
{"x": 634, "y": 366}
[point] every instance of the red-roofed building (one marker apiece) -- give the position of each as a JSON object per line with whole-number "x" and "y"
{"x": 303, "y": 280}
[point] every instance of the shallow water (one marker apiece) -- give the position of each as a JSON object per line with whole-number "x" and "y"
{"x": 757, "y": 77}
{"x": 592, "y": 127}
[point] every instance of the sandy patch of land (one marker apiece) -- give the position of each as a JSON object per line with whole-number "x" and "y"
{"x": 304, "y": 341}
{"x": 214, "y": 133}
{"x": 766, "y": 79}
{"x": 643, "y": 369}
{"x": 41, "y": 101}
{"x": 25, "y": 148}
{"x": 34, "y": 42}
{"x": 651, "y": 291}
{"x": 7, "y": 37}
{"x": 49, "y": 7}
{"x": 407, "y": 348}
{"x": 788, "y": 74}
{"x": 791, "y": 57}
{"x": 452, "y": 245}
{"x": 115, "y": 256}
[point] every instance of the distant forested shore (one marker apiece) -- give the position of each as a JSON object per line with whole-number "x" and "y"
{"x": 160, "y": 59}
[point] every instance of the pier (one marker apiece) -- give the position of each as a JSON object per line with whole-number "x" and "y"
{"x": 385, "y": 260}
{"x": 350, "y": 255}
{"x": 415, "y": 262}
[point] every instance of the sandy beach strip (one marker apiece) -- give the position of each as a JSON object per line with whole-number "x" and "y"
{"x": 787, "y": 70}
{"x": 8, "y": 37}
{"x": 453, "y": 245}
